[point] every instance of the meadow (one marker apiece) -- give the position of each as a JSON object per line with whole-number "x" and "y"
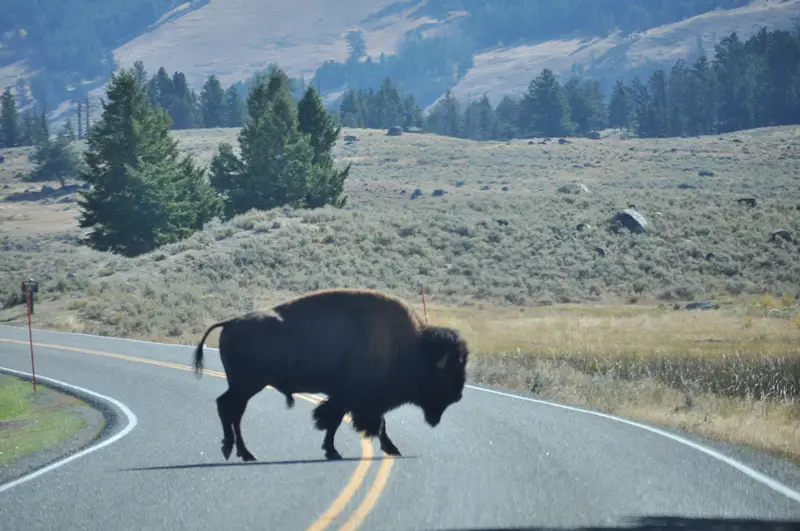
{"x": 512, "y": 243}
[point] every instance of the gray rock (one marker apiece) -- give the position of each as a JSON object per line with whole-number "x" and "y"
{"x": 573, "y": 188}
{"x": 631, "y": 220}
{"x": 782, "y": 234}
{"x": 705, "y": 305}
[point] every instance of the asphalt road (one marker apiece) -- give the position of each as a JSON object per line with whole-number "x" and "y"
{"x": 495, "y": 461}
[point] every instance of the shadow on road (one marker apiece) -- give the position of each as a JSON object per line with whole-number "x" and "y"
{"x": 255, "y": 463}
{"x": 662, "y": 523}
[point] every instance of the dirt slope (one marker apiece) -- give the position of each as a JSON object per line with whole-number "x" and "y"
{"x": 233, "y": 38}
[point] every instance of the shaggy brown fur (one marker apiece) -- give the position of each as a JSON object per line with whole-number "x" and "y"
{"x": 367, "y": 350}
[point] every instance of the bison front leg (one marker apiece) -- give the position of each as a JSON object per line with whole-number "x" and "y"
{"x": 386, "y": 443}
{"x": 328, "y": 416}
{"x": 374, "y": 425}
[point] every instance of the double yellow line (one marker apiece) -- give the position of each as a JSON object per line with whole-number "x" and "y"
{"x": 345, "y": 496}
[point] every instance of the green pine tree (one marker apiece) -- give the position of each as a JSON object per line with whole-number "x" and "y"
{"x": 412, "y": 113}
{"x": 212, "y": 103}
{"x": 620, "y": 108}
{"x": 544, "y": 108}
{"x": 10, "y": 131}
{"x": 586, "y": 103}
{"x": 507, "y": 114}
{"x": 327, "y": 183}
{"x": 235, "y": 109}
{"x": 55, "y": 158}
{"x": 140, "y": 72}
{"x": 68, "y": 131}
{"x": 27, "y": 130}
{"x": 350, "y": 110}
{"x": 143, "y": 194}
{"x": 656, "y": 118}
{"x": 445, "y": 116}
{"x": 275, "y": 167}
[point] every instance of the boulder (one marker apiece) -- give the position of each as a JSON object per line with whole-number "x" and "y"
{"x": 782, "y": 234}
{"x": 631, "y": 220}
{"x": 573, "y": 188}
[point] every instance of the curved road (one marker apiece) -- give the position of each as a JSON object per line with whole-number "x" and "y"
{"x": 496, "y": 461}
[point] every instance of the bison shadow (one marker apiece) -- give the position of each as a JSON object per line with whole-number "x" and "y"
{"x": 662, "y": 523}
{"x": 257, "y": 463}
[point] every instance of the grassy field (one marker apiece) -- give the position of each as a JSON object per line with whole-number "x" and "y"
{"x": 30, "y": 421}
{"x": 584, "y": 315}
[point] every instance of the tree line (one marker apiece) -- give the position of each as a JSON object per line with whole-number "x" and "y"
{"x": 214, "y": 106}
{"x": 755, "y": 83}
{"x": 747, "y": 84}
{"x": 427, "y": 67}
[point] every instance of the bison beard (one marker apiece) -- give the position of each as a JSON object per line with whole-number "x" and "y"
{"x": 368, "y": 351}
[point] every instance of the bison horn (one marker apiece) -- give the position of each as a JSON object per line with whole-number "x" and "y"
{"x": 442, "y": 362}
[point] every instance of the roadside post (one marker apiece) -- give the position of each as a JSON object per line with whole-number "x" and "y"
{"x": 30, "y": 287}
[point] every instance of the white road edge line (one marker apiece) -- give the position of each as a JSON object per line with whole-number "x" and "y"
{"x": 132, "y": 422}
{"x": 741, "y": 467}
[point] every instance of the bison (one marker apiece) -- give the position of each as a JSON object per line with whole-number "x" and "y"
{"x": 368, "y": 351}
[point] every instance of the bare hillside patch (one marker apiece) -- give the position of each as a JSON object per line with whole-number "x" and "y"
{"x": 234, "y": 38}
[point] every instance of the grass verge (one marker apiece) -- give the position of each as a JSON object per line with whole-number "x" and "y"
{"x": 31, "y": 422}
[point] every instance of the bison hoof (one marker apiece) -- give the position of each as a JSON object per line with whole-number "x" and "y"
{"x": 227, "y": 448}
{"x": 246, "y": 455}
{"x": 391, "y": 449}
{"x": 332, "y": 455}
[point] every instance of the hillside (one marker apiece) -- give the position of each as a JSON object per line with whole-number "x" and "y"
{"x": 300, "y": 42}
{"x": 512, "y": 243}
{"x": 512, "y": 224}
{"x": 507, "y": 71}
{"x": 234, "y": 38}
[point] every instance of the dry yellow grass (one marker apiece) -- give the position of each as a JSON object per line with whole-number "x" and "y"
{"x": 727, "y": 375}
{"x": 542, "y": 311}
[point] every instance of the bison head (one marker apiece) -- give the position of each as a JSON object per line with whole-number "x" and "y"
{"x": 444, "y": 353}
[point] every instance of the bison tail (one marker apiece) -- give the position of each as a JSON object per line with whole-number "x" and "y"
{"x": 198, "y": 352}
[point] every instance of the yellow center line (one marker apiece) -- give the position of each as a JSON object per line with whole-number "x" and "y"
{"x": 344, "y": 497}
{"x": 371, "y": 499}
